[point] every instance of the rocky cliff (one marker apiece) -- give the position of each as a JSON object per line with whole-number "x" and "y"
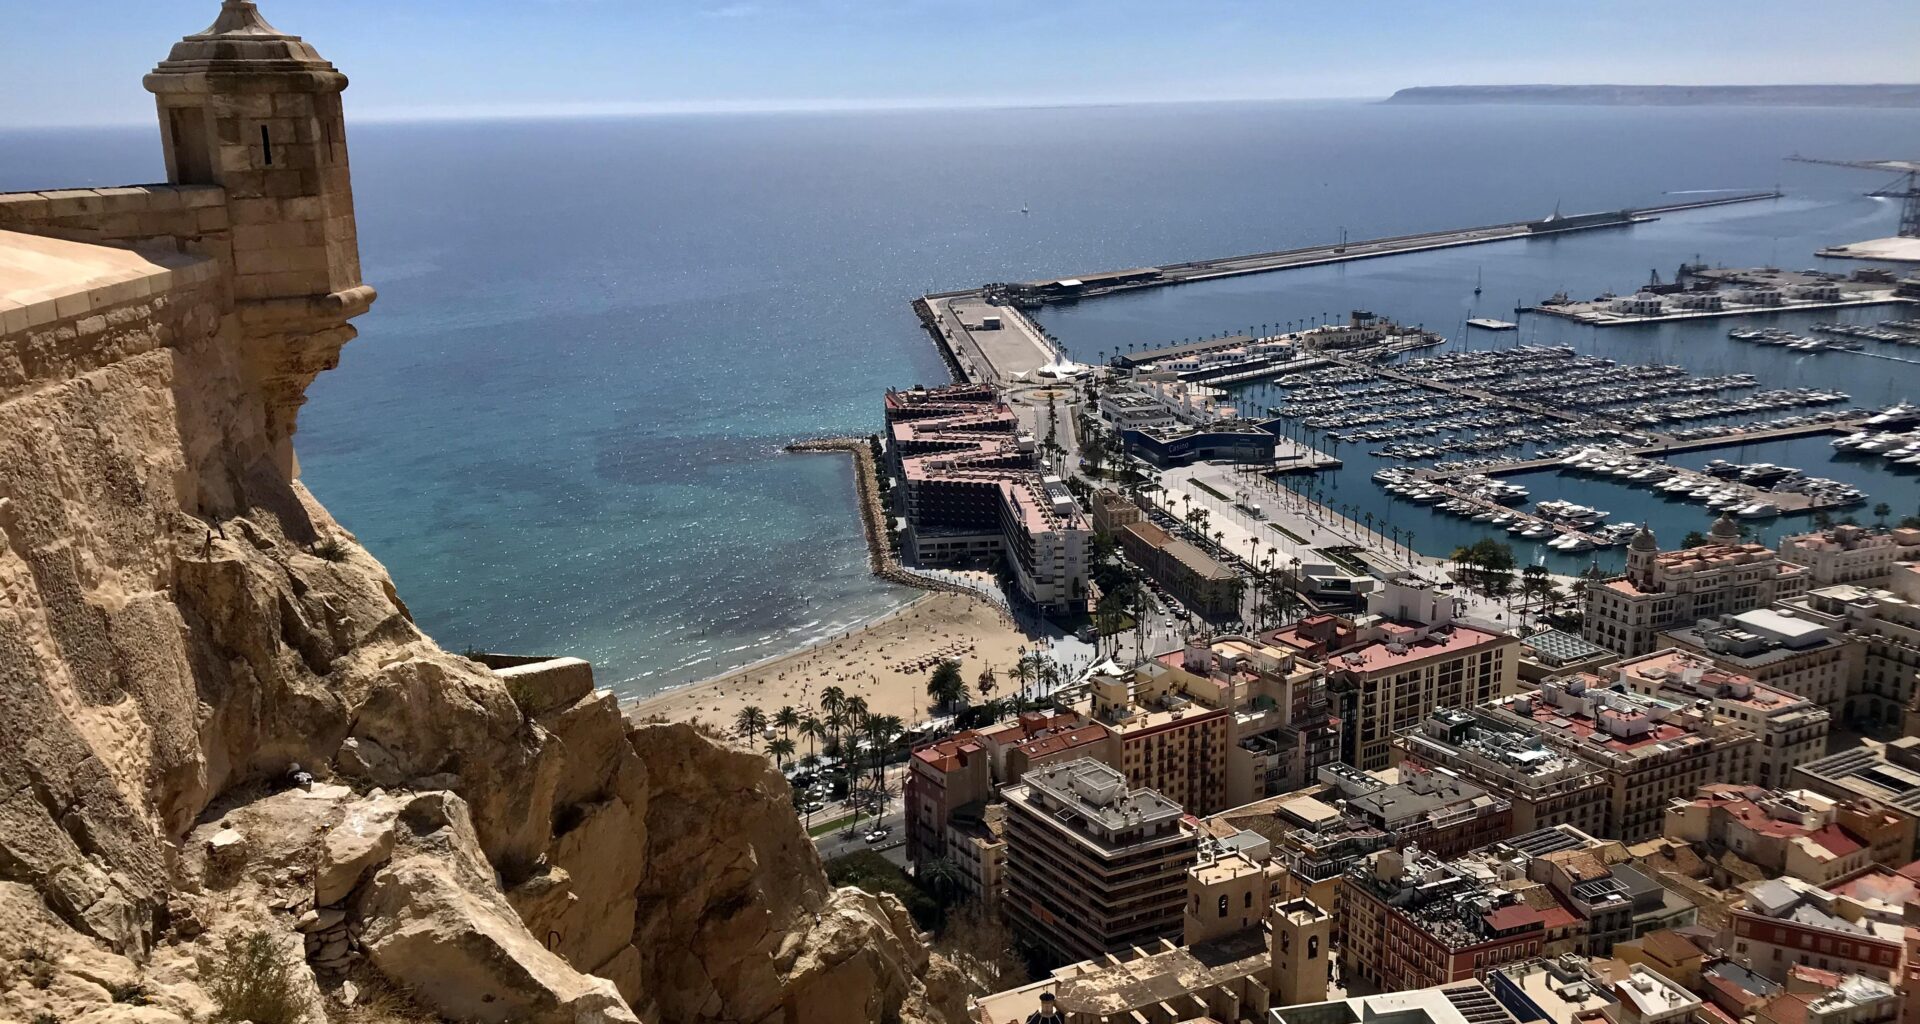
{"x": 216, "y": 716}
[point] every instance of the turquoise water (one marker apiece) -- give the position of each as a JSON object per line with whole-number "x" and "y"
{"x": 560, "y": 427}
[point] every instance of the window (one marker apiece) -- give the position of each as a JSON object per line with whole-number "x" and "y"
{"x": 1313, "y": 947}
{"x": 266, "y": 146}
{"x": 1223, "y": 906}
{"x": 1249, "y": 899}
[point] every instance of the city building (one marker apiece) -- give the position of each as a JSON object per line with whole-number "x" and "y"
{"x": 1397, "y": 664}
{"x": 1662, "y": 590}
{"x": 1785, "y": 921}
{"x": 1554, "y": 652}
{"x": 1795, "y": 832}
{"x": 1411, "y": 920}
{"x": 1667, "y": 952}
{"x": 1849, "y": 554}
{"x": 1112, "y": 510}
{"x": 1546, "y": 786}
{"x": 1792, "y": 730}
{"x": 1130, "y": 408}
{"x": 1092, "y": 866}
{"x": 1885, "y": 775}
{"x": 1194, "y": 578}
{"x": 1775, "y": 648}
{"x": 1221, "y": 722}
{"x": 963, "y": 771}
{"x": 1444, "y": 814}
{"x": 1644, "y": 997}
{"x": 1650, "y": 750}
{"x": 1887, "y": 621}
{"x": 1813, "y": 996}
{"x": 972, "y": 491}
{"x": 1183, "y": 444}
{"x": 1236, "y": 977}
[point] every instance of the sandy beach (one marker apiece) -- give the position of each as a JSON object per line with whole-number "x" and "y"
{"x": 887, "y": 662}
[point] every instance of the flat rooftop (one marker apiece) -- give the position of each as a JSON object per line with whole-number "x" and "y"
{"x": 1098, "y": 793}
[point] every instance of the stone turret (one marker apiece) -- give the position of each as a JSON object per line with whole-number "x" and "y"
{"x": 257, "y": 111}
{"x": 1726, "y": 530}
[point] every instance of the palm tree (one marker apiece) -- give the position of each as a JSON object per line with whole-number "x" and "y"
{"x": 781, "y": 749}
{"x": 941, "y": 877}
{"x": 946, "y": 685}
{"x": 1023, "y": 673}
{"x": 750, "y": 721}
{"x": 1880, "y": 513}
{"x": 785, "y": 719}
{"x": 986, "y": 683}
{"x": 811, "y": 728}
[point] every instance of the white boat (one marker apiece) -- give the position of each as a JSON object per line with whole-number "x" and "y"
{"x": 1757, "y": 510}
{"x": 1851, "y": 440}
{"x": 1535, "y": 532}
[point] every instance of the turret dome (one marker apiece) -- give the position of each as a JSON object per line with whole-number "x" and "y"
{"x": 241, "y": 41}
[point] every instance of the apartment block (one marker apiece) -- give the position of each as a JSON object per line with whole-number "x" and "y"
{"x": 963, "y": 771}
{"x": 1858, "y": 555}
{"x": 1791, "y": 832}
{"x": 1405, "y": 658}
{"x": 1664, "y": 590}
{"x": 973, "y": 491}
{"x": 1412, "y": 920}
{"x": 1774, "y": 647}
{"x": 1546, "y": 786}
{"x": 1221, "y": 722}
{"x": 1093, "y": 866}
{"x": 1650, "y": 750}
{"x": 1785, "y": 921}
{"x": 1194, "y": 578}
{"x": 1887, "y": 622}
{"x": 1792, "y": 730}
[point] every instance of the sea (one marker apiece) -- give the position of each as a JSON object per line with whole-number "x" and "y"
{"x": 561, "y": 425}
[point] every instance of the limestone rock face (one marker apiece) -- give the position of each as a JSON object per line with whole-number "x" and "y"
{"x": 216, "y": 715}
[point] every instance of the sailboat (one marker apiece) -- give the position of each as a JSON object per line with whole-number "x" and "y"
{"x": 1476, "y": 280}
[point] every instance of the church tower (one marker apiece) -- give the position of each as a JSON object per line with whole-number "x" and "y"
{"x": 257, "y": 112}
{"x": 1641, "y": 552}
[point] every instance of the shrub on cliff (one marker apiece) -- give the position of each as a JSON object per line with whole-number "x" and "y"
{"x": 251, "y": 979}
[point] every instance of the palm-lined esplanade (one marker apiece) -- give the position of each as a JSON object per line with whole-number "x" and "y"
{"x": 843, "y": 748}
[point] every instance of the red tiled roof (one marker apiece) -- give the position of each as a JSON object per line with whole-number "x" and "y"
{"x": 1837, "y": 841}
{"x": 1516, "y": 916}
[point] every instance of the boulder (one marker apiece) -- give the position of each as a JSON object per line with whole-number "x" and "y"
{"x": 362, "y": 839}
{"x": 436, "y": 925}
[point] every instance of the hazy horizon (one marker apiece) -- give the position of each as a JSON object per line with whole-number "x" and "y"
{"x": 446, "y": 60}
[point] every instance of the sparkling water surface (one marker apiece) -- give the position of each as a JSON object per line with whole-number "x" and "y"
{"x": 561, "y": 425}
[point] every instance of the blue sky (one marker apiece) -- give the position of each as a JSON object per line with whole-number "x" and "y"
{"x": 80, "y": 61}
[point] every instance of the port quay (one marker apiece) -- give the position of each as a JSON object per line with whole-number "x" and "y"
{"x": 1483, "y": 415}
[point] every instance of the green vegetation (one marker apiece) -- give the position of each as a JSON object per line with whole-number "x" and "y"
{"x": 947, "y": 686}
{"x": 1202, "y": 485}
{"x": 875, "y": 873}
{"x": 251, "y": 979}
{"x": 828, "y": 826}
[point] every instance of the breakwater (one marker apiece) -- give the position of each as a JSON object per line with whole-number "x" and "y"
{"x": 881, "y": 559}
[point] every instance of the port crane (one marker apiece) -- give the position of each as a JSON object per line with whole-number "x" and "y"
{"x": 1905, "y": 188}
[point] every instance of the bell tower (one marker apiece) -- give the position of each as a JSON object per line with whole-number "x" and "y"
{"x": 257, "y": 112}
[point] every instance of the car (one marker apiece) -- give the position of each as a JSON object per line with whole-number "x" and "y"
{"x": 877, "y": 834}
{"x": 815, "y": 806}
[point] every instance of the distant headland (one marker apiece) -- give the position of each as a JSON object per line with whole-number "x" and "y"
{"x": 1668, "y": 95}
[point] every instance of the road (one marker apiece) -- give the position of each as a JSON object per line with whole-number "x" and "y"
{"x": 840, "y": 842}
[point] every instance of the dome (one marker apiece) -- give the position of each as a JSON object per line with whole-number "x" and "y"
{"x": 1643, "y": 541}
{"x": 1725, "y": 530}
{"x": 241, "y": 40}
